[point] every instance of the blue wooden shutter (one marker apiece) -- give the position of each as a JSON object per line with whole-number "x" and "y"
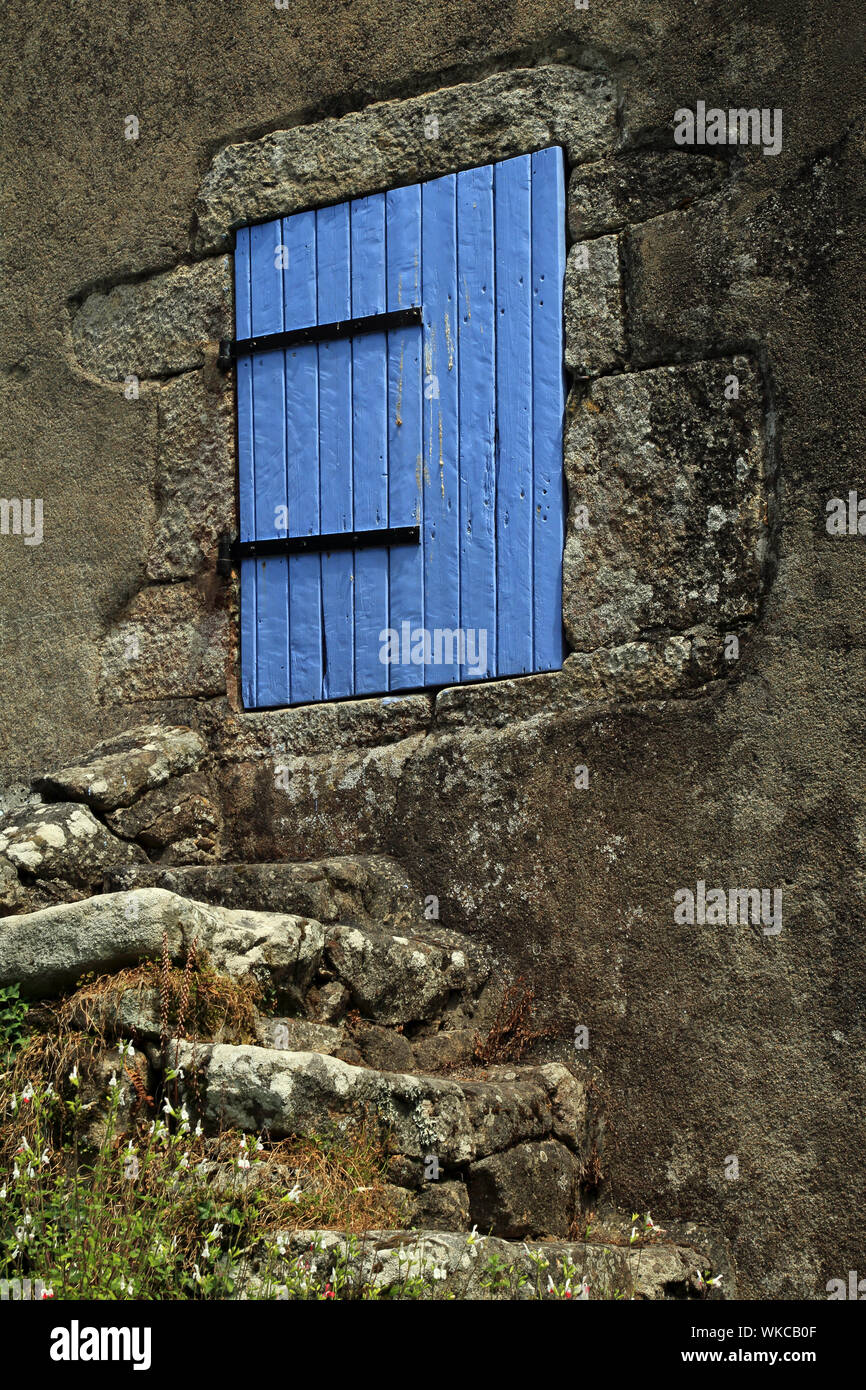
{"x": 454, "y": 424}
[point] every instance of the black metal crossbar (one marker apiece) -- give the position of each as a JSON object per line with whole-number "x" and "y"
{"x": 232, "y": 552}
{"x": 233, "y": 348}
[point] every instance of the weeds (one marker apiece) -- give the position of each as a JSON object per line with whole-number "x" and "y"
{"x": 512, "y": 1030}
{"x": 13, "y": 1011}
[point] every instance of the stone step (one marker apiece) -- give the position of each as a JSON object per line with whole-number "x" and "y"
{"x": 508, "y": 1145}
{"x": 321, "y": 973}
{"x": 356, "y": 890}
{"x": 474, "y": 1266}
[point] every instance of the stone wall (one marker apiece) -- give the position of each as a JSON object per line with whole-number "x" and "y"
{"x": 671, "y": 471}
{"x": 704, "y": 759}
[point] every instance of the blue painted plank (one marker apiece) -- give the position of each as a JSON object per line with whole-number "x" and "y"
{"x": 269, "y": 430}
{"x": 405, "y": 443}
{"x": 441, "y": 463}
{"x": 369, "y": 441}
{"x": 477, "y": 416}
{"x": 302, "y": 453}
{"x": 246, "y": 470}
{"x": 548, "y": 404}
{"x": 335, "y": 449}
{"x": 459, "y": 428}
{"x": 514, "y": 495}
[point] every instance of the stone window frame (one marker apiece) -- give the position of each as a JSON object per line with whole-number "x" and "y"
{"x": 385, "y": 145}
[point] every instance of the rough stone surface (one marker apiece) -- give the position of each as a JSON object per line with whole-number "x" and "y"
{"x": 287, "y": 1093}
{"x": 391, "y": 143}
{"x": 120, "y": 769}
{"x": 392, "y": 979}
{"x": 182, "y": 810}
{"x": 461, "y": 1266}
{"x": 169, "y": 643}
{"x": 397, "y": 979}
{"x": 48, "y": 950}
{"x": 441, "y": 1206}
{"x": 342, "y": 803}
{"x": 528, "y": 1191}
{"x": 301, "y": 1035}
{"x": 195, "y": 483}
{"x": 356, "y": 890}
{"x": 606, "y": 196}
{"x": 707, "y": 277}
{"x": 63, "y": 840}
{"x": 594, "y": 327}
{"x": 695, "y": 1032}
{"x": 12, "y": 891}
{"x": 673, "y": 478}
{"x": 309, "y": 730}
{"x": 157, "y": 325}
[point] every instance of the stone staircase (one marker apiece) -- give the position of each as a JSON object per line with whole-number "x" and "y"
{"x": 370, "y": 1018}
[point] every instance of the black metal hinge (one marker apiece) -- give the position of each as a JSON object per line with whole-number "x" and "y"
{"x": 232, "y": 552}
{"x": 233, "y": 348}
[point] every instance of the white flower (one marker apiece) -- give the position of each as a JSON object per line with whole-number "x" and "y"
{"x": 217, "y": 1231}
{"x": 295, "y": 1194}
{"x": 243, "y": 1161}
{"x": 46, "y": 1158}
{"x": 112, "y": 1084}
{"x": 167, "y": 1106}
{"x": 198, "y": 1131}
{"x": 439, "y": 1272}
{"x": 73, "y": 1075}
{"x": 197, "y": 1274}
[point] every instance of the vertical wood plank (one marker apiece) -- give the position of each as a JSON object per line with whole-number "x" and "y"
{"x": 333, "y": 250}
{"x": 548, "y": 404}
{"x": 269, "y": 426}
{"x": 246, "y": 469}
{"x": 514, "y": 403}
{"x": 302, "y": 456}
{"x": 369, "y": 441}
{"x": 405, "y": 444}
{"x": 477, "y": 416}
{"x": 441, "y": 462}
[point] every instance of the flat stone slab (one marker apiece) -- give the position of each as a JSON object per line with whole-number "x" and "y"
{"x": 452, "y": 1264}
{"x": 356, "y": 890}
{"x": 47, "y": 951}
{"x": 120, "y": 769}
{"x": 63, "y": 840}
{"x": 155, "y": 326}
{"x": 393, "y": 979}
{"x": 401, "y": 142}
{"x": 257, "y": 1089}
{"x": 671, "y": 474}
